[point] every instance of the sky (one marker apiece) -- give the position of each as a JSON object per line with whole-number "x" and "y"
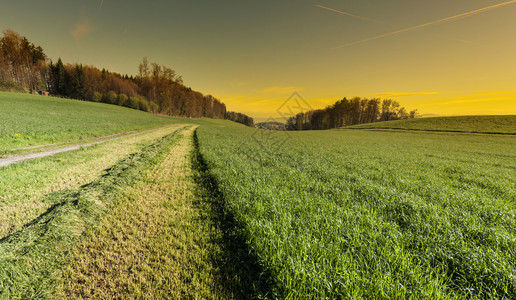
{"x": 442, "y": 57}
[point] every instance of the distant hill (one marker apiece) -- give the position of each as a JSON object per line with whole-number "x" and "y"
{"x": 271, "y": 125}
{"x": 429, "y": 115}
{"x": 466, "y": 124}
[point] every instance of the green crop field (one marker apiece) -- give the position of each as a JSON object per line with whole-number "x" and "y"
{"x": 467, "y": 124}
{"x": 371, "y": 215}
{"x": 211, "y": 209}
{"x": 28, "y": 120}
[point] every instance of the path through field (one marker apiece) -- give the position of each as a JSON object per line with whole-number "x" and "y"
{"x": 156, "y": 243}
{"x": 45, "y": 153}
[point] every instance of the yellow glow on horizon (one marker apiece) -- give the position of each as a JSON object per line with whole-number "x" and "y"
{"x": 495, "y": 103}
{"x": 394, "y": 95}
{"x": 489, "y": 103}
{"x": 281, "y": 90}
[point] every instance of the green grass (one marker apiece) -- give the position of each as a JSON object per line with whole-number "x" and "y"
{"x": 24, "y": 185}
{"x": 56, "y": 211}
{"x": 466, "y": 124}
{"x": 146, "y": 227}
{"x": 27, "y": 120}
{"x": 371, "y": 215}
{"x": 245, "y": 213}
{"x": 31, "y": 259}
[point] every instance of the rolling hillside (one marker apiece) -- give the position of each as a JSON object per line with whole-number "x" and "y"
{"x": 466, "y": 124}
{"x": 28, "y": 120}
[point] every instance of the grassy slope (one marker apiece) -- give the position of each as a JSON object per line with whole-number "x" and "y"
{"x": 371, "y": 214}
{"x": 27, "y": 120}
{"x": 148, "y": 227}
{"x": 468, "y": 124}
{"x": 324, "y": 214}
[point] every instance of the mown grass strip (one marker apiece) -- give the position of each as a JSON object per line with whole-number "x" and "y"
{"x": 153, "y": 244}
{"x": 31, "y": 259}
{"x": 167, "y": 238}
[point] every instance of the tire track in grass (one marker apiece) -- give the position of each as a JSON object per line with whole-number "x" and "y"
{"x": 64, "y": 143}
{"x": 50, "y": 152}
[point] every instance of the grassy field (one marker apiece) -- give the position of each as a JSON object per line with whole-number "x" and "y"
{"x": 132, "y": 217}
{"x": 216, "y": 210}
{"x": 27, "y": 120}
{"x": 368, "y": 215}
{"x": 467, "y": 124}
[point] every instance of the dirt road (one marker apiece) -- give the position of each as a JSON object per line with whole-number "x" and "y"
{"x": 23, "y": 157}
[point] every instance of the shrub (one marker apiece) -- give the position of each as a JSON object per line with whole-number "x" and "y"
{"x": 143, "y": 105}
{"x": 96, "y": 97}
{"x": 10, "y": 86}
{"x": 133, "y": 102}
{"x": 122, "y": 99}
{"x": 110, "y": 97}
{"x": 154, "y": 107}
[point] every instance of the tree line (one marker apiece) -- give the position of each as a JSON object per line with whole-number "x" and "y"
{"x": 22, "y": 64}
{"x": 349, "y": 112}
{"x": 239, "y": 118}
{"x": 24, "y": 67}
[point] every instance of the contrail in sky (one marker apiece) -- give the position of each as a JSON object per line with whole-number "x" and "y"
{"x": 348, "y": 14}
{"x": 413, "y": 28}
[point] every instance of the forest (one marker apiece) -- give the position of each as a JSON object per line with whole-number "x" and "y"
{"x": 348, "y": 112}
{"x": 24, "y": 67}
